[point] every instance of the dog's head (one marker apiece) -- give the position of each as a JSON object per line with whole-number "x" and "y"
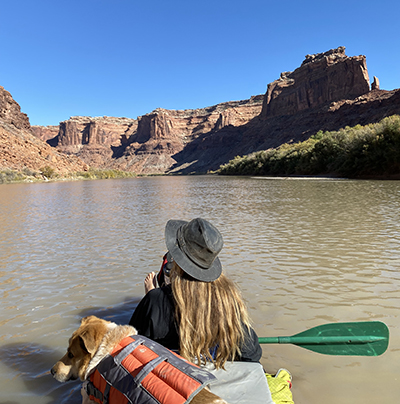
{"x": 82, "y": 346}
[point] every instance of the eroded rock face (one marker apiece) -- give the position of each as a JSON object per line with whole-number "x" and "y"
{"x": 10, "y": 111}
{"x": 21, "y": 150}
{"x": 208, "y": 153}
{"x": 327, "y": 92}
{"x": 163, "y": 134}
{"x": 184, "y": 126}
{"x": 45, "y": 133}
{"x": 145, "y": 145}
{"x": 110, "y": 131}
{"x": 322, "y": 78}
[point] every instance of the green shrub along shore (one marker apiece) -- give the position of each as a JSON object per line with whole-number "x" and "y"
{"x": 48, "y": 174}
{"x": 353, "y": 152}
{"x": 370, "y": 151}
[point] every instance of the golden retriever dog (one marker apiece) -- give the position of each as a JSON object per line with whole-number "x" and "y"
{"x": 94, "y": 340}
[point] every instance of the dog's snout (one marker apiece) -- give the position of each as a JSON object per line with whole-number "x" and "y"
{"x": 52, "y": 371}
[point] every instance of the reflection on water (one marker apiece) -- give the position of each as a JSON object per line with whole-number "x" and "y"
{"x": 304, "y": 252}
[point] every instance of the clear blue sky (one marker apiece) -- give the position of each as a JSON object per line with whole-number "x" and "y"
{"x": 62, "y": 58}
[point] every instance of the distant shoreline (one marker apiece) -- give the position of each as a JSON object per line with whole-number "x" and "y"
{"x": 17, "y": 177}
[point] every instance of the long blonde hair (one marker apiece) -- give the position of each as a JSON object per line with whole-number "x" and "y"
{"x": 209, "y": 314}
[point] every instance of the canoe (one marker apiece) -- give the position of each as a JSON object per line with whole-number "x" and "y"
{"x": 247, "y": 383}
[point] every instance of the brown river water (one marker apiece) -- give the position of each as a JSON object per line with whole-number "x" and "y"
{"x": 304, "y": 252}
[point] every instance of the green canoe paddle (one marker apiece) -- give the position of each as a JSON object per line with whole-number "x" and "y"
{"x": 369, "y": 338}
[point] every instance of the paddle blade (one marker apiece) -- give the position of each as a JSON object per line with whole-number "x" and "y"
{"x": 370, "y": 338}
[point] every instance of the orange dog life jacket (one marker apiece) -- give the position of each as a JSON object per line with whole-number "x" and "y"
{"x": 142, "y": 371}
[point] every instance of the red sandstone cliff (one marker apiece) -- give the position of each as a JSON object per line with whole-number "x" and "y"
{"x": 108, "y": 131}
{"x": 20, "y": 150}
{"x": 163, "y": 134}
{"x": 208, "y": 153}
{"x": 148, "y": 144}
{"x": 322, "y": 78}
{"x": 328, "y": 91}
{"x": 10, "y": 111}
{"x": 45, "y": 133}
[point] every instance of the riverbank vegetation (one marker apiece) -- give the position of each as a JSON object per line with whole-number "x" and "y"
{"x": 49, "y": 174}
{"x": 359, "y": 151}
{"x": 96, "y": 174}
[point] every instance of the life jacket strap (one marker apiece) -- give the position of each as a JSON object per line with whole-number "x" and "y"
{"x": 148, "y": 368}
{"x": 128, "y": 350}
{"x": 93, "y": 391}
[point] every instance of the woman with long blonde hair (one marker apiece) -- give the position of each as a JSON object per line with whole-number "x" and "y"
{"x": 201, "y": 312}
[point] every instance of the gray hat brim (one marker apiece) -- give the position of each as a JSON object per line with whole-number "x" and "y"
{"x": 186, "y": 264}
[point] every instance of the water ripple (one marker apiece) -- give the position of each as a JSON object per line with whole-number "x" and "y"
{"x": 303, "y": 253}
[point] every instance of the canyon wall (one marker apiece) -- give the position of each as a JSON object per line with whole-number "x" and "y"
{"x": 145, "y": 145}
{"x": 109, "y": 131}
{"x": 20, "y": 150}
{"x": 208, "y": 153}
{"x": 326, "y": 92}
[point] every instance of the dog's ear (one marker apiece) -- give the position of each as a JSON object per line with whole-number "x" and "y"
{"x": 91, "y": 333}
{"x": 88, "y": 319}
{"x": 89, "y": 342}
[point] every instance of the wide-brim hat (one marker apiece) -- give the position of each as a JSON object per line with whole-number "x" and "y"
{"x": 194, "y": 246}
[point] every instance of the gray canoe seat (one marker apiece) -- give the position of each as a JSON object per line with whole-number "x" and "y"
{"x": 241, "y": 383}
